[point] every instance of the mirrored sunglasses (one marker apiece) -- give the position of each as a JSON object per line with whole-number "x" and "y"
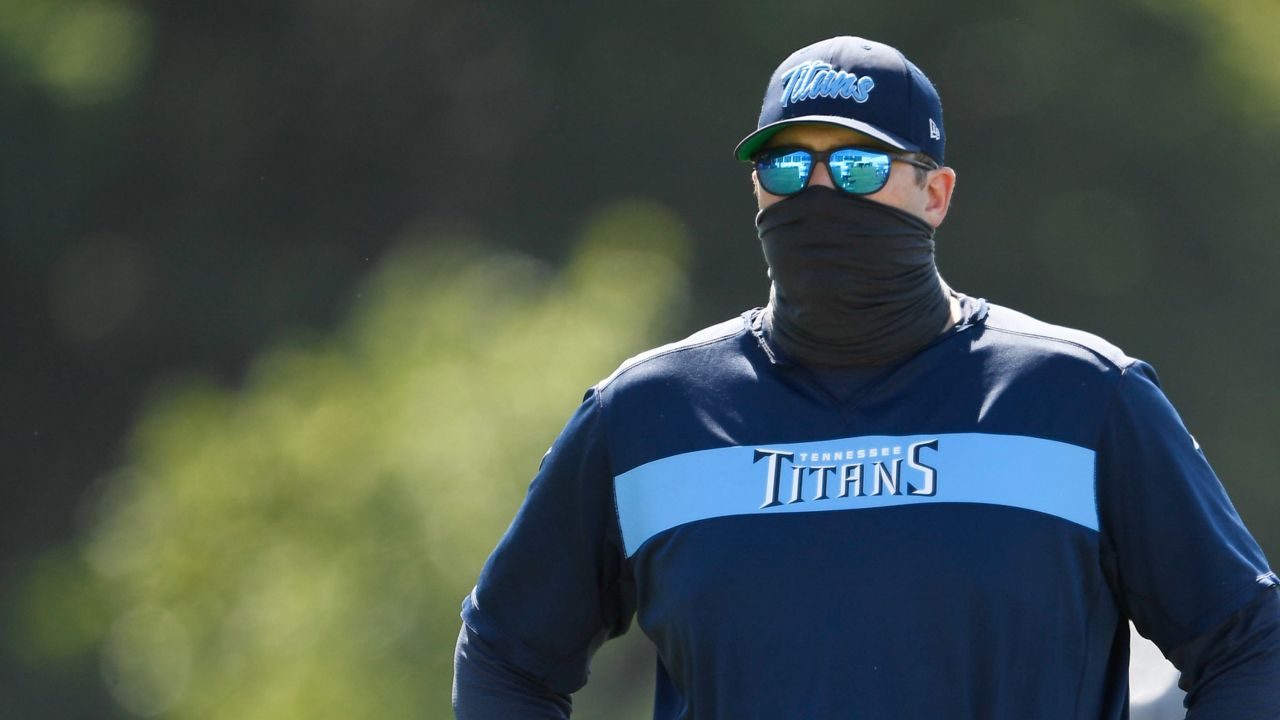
{"x": 855, "y": 170}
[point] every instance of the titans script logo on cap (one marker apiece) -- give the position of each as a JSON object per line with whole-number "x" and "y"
{"x": 815, "y": 79}
{"x": 855, "y": 83}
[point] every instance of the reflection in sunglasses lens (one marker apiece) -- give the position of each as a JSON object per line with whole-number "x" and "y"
{"x": 856, "y": 171}
{"x": 785, "y": 174}
{"x": 859, "y": 172}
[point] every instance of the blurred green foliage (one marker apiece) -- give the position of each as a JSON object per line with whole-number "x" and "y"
{"x": 292, "y": 520}
{"x": 1242, "y": 37}
{"x": 299, "y": 547}
{"x": 84, "y": 51}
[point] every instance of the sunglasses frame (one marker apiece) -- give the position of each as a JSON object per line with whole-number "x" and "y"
{"x": 824, "y": 157}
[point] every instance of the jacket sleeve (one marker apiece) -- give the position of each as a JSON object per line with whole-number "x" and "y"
{"x": 1233, "y": 671}
{"x": 555, "y": 588}
{"x": 1179, "y": 560}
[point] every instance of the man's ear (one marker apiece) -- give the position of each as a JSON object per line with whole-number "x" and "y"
{"x": 940, "y": 185}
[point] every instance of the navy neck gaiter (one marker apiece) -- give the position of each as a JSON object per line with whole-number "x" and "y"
{"x": 854, "y": 280}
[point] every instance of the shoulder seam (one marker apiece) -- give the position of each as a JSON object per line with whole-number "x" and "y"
{"x": 1073, "y": 343}
{"x": 1104, "y": 420}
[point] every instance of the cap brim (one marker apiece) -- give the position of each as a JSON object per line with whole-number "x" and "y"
{"x": 756, "y": 140}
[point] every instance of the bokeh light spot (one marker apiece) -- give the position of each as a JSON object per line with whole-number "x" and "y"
{"x": 95, "y": 51}
{"x": 147, "y": 660}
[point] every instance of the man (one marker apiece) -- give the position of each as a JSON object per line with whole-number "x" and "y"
{"x": 875, "y": 497}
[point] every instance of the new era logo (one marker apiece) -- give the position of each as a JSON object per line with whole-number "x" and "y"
{"x": 934, "y": 132}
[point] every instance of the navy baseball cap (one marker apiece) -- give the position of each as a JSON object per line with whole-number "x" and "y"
{"x": 855, "y": 83}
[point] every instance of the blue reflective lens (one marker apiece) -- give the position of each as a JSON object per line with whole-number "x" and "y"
{"x": 786, "y": 172}
{"x": 858, "y": 171}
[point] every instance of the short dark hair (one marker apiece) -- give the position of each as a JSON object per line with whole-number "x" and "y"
{"x": 922, "y": 176}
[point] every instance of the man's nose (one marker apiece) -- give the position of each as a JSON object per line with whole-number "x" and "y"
{"x": 820, "y": 176}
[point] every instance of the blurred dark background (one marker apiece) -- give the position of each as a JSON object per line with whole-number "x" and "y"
{"x": 189, "y": 187}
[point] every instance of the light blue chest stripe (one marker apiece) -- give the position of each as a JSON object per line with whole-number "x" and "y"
{"x": 857, "y": 473}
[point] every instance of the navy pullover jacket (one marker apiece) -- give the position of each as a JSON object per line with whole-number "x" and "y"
{"x": 962, "y": 534}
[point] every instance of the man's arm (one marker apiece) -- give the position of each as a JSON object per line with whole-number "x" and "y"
{"x": 1233, "y": 671}
{"x": 555, "y": 588}
{"x": 1182, "y": 565}
{"x": 485, "y": 687}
